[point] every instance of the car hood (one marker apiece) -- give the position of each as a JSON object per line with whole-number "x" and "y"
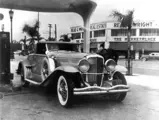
{"x": 66, "y": 57}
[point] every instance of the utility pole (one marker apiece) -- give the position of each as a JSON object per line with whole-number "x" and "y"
{"x": 38, "y": 27}
{"x": 50, "y": 26}
{"x": 55, "y": 33}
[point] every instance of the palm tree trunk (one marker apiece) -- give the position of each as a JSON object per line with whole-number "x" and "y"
{"x": 129, "y": 67}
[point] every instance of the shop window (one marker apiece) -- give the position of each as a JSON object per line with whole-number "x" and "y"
{"x": 149, "y": 32}
{"x": 90, "y": 34}
{"x": 99, "y": 33}
{"x": 122, "y": 32}
{"x": 76, "y": 36}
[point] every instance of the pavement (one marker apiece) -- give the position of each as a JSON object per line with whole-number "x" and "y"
{"x": 33, "y": 103}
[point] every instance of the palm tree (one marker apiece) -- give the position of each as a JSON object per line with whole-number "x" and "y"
{"x": 126, "y": 21}
{"x": 33, "y": 32}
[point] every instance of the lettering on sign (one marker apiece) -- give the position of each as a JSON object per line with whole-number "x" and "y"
{"x": 143, "y": 24}
{"x": 142, "y": 39}
{"x": 92, "y": 27}
{"x": 91, "y": 40}
{"x": 116, "y": 24}
{"x": 77, "y": 29}
{"x": 117, "y": 39}
{"x": 137, "y": 24}
{"x": 98, "y": 26}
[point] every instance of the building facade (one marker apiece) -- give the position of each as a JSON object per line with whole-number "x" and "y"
{"x": 144, "y": 37}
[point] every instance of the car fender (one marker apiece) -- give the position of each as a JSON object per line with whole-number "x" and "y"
{"x": 58, "y": 71}
{"x": 120, "y": 68}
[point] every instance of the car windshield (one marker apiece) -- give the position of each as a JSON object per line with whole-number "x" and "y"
{"x": 63, "y": 47}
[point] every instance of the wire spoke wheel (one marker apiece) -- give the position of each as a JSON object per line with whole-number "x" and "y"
{"x": 65, "y": 91}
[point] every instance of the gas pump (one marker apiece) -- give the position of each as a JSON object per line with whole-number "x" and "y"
{"x": 5, "y": 74}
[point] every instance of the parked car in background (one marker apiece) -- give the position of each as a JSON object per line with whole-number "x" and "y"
{"x": 151, "y": 56}
{"x": 62, "y": 67}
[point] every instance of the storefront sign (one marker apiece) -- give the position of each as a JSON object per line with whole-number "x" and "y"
{"x": 91, "y": 41}
{"x": 76, "y": 29}
{"x": 92, "y": 27}
{"x": 98, "y": 26}
{"x": 137, "y": 24}
{"x": 142, "y": 39}
{"x": 143, "y": 24}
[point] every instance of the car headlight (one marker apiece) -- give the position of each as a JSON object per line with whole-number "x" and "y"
{"x": 84, "y": 65}
{"x": 110, "y": 65}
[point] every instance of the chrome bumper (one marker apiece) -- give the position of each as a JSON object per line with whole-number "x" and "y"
{"x": 93, "y": 90}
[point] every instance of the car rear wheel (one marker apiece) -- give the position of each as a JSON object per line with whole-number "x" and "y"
{"x": 22, "y": 79}
{"x": 65, "y": 91}
{"x": 118, "y": 78}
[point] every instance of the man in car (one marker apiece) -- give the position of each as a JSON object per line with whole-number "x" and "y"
{"x": 107, "y": 53}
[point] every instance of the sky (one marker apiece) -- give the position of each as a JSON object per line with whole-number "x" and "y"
{"x": 145, "y": 10}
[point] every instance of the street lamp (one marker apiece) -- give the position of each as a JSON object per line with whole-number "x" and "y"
{"x": 11, "y": 13}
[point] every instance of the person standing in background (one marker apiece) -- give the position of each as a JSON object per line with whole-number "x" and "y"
{"x": 107, "y": 53}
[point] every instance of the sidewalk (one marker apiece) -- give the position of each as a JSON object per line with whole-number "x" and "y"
{"x": 144, "y": 80}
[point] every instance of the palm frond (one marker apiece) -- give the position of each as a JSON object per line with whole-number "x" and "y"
{"x": 126, "y": 20}
{"x": 116, "y": 14}
{"x": 31, "y": 31}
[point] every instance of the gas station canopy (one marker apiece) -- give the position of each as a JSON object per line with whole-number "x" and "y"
{"x": 82, "y": 7}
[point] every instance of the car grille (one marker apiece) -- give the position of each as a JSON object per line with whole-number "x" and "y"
{"x": 95, "y": 71}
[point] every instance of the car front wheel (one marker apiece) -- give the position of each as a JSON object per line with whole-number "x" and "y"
{"x": 65, "y": 91}
{"x": 118, "y": 79}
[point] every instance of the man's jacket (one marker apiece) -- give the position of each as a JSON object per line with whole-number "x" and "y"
{"x": 108, "y": 54}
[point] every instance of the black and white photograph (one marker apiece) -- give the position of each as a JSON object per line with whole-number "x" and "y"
{"x": 79, "y": 60}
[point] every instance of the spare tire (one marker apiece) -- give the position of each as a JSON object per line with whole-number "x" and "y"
{"x": 48, "y": 66}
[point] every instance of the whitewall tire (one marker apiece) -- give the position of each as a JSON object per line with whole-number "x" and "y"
{"x": 65, "y": 91}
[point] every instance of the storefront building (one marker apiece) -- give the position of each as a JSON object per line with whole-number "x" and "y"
{"x": 144, "y": 37}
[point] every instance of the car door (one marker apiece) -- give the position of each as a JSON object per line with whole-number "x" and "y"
{"x": 36, "y": 70}
{"x": 29, "y": 67}
{"x": 37, "y": 61}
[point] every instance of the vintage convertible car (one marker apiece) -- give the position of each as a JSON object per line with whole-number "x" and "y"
{"x": 61, "y": 66}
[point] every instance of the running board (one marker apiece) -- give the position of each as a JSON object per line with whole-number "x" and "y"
{"x": 33, "y": 82}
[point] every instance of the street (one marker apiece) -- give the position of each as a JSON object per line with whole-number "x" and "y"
{"x": 143, "y": 67}
{"x": 33, "y": 103}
